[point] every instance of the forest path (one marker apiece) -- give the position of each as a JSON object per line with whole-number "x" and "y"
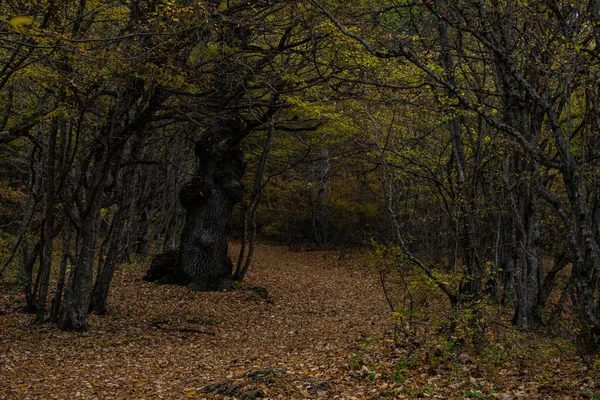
{"x": 168, "y": 342}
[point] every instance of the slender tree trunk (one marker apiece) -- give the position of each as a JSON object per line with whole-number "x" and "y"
{"x": 524, "y": 245}
{"x": 29, "y": 258}
{"x": 79, "y": 288}
{"x": 98, "y": 302}
{"x": 29, "y": 255}
{"x": 47, "y": 236}
{"x": 123, "y": 180}
{"x": 319, "y": 203}
{"x": 471, "y": 287}
{"x": 60, "y": 286}
{"x": 244, "y": 259}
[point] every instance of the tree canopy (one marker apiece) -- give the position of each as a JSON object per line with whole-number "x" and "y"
{"x": 460, "y": 137}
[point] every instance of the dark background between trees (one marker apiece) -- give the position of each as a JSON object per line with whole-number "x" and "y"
{"x": 458, "y": 139}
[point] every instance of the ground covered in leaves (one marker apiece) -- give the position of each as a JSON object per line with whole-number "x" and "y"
{"x": 323, "y": 331}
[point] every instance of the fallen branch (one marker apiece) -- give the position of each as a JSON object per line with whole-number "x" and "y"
{"x": 158, "y": 324}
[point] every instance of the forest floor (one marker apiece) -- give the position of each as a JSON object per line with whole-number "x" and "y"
{"x": 324, "y": 331}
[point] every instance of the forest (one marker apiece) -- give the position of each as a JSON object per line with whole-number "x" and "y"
{"x": 300, "y": 199}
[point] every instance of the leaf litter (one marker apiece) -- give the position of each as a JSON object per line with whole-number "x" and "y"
{"x": 323, "y": 331}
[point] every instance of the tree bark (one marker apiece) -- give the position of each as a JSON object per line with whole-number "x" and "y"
{"x": 79, "y": 288}
{"x": 29, "y": 255}
{"x": 47, "y": 236}
{"x": 98, "y": 303}
{"x": 58, "y": 294}
{"x": 208, "y": 200}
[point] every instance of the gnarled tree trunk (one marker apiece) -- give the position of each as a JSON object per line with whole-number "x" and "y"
{"x": 208, "y": 200}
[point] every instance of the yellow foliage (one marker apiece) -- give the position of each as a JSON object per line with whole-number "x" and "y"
{"x": 20, "y": 21}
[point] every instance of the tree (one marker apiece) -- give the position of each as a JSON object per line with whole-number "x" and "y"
{"x": 541, "y": 116}
{"x": 95, "y": 111}
{"x": 266, "y": 56}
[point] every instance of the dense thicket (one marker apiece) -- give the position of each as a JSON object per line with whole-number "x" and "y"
{"x": 464, "y": 137}
{"x": 509, "y": 151}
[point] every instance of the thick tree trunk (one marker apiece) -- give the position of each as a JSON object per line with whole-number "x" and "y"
{"x": 171, "y": 208}
{"x": 208, "y": 200}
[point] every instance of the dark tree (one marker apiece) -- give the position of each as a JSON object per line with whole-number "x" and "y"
{"x": 269, "y": 52}
{"x": 208, "y": 200}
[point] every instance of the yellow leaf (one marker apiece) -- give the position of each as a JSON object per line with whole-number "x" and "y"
{"x": 20, "y": 20}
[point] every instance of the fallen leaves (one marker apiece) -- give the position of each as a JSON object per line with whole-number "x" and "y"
{"x": 322, "y": 332}
{"x": 158, "y": 337}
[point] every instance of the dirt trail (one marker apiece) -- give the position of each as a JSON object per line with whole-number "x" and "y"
{"x": 168, "y": 342}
